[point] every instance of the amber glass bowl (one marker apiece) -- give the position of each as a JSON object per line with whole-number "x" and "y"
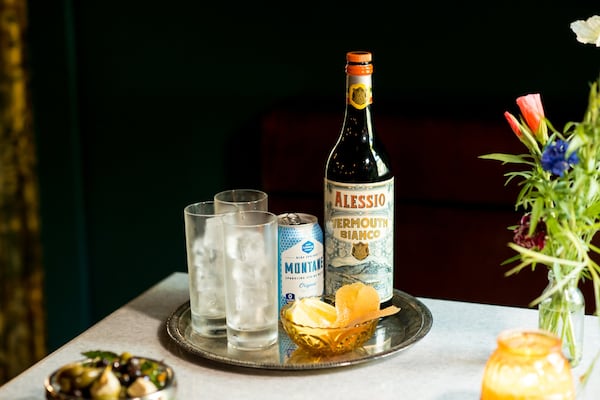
{"x": 327, "y": 341}
{"x": 527, "y": 364}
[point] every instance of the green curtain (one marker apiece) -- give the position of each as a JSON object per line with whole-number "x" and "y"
{"x": 22, "y": 319}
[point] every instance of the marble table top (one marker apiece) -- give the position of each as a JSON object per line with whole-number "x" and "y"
{"x": 446, "y": 364}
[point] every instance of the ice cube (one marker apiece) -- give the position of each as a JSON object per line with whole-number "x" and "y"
{"x": 246, "y": 246}
{"x": 213, "y": 233}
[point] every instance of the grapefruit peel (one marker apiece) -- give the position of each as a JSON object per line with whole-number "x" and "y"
{"x": 354, "y": 304}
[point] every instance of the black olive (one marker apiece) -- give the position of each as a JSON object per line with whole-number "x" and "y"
{"x": 125, "y": 379}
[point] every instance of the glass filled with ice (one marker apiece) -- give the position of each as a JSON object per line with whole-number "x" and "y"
{"x": 206, "y": 268}
{"x": 251, "y": 279}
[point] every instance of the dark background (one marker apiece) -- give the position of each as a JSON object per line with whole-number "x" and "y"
{"x": 141, "y": 108}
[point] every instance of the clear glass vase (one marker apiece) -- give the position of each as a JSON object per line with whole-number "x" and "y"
{"x": 563, "y": 313}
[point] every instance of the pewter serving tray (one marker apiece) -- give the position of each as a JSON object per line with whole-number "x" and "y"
{"x": 393, "y": 334}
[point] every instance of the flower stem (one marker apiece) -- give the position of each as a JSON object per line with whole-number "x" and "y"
{"x": 559, "y": 315}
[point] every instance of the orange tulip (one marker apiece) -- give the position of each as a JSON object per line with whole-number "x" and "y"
{"x": 533, "y": 112}
{"x": 514, "y": 124}
{"x": 522, "y": 132}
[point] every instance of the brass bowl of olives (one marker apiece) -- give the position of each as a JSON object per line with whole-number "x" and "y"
{"x": 108, "y": 375}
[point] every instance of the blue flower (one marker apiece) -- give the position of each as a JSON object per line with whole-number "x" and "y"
{"x": 554, "y": 158}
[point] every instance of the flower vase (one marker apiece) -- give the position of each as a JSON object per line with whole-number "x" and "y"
{"x": 562, "y": 312}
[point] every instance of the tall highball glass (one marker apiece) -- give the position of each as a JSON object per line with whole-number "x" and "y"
{"x": 251, "y": 279}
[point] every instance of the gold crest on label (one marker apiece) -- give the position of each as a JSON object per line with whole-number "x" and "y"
{"x": 358, "y": 96}
{"x": 360, "y": 250}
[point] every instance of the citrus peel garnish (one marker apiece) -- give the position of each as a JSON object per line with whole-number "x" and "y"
{"x": 310, "y": 311}
{"x": 354, "y": 303}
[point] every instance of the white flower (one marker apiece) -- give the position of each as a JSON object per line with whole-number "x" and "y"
{"x": 587, "y": 31}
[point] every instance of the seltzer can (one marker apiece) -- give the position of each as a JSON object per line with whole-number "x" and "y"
{"x": 301, "y": 266}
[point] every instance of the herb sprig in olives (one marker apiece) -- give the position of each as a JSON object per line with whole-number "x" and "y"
{"x": 108, "y": 375}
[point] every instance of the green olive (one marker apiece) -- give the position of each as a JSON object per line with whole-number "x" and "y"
{"x": 66, "y": 384}
{"x": 87, "y": 377}
{"x": 125, "y": 357}
{"x": 71, "y": 370}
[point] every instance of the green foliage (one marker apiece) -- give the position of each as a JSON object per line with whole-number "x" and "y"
{"x": 569, "y": 205}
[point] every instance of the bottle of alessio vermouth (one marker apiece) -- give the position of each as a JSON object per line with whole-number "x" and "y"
{"x": 359, "y": 193}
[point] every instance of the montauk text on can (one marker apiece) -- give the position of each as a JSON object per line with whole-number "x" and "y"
{"x": 301, "y": 263}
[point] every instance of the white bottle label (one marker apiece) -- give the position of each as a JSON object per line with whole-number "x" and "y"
{"x": 359, "y": 235}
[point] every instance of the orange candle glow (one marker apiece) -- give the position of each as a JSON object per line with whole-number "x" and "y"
{"x": 527, "y": 365}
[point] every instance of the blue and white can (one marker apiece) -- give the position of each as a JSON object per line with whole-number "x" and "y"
{"x": 301, "y": 266}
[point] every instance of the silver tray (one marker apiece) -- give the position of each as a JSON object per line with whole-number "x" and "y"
{"x": 393, "y": 334}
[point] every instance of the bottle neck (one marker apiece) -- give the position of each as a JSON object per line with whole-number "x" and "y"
{"x": 359, "y": 91}
{"x": 358, "y": 122}
{"x": 573, "y": 282}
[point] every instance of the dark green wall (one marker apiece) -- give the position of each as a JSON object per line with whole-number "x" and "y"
{"x": 137, "y": 107}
